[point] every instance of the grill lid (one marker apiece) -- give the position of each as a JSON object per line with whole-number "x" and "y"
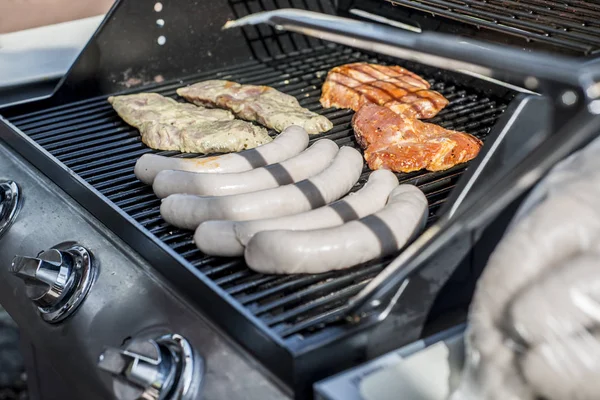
{"x": 568, "y": 24}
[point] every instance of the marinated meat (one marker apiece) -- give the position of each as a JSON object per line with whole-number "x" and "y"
{"x": 404, "y": 144}
{"x": 166, "y": 124}
{"x": 405, "y": 93}
{"x": 262, "y": 104}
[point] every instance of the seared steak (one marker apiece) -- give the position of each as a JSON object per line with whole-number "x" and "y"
{"x": 353, "y": 85}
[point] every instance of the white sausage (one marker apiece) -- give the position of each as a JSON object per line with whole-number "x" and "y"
{"x": 290, "y": 142}
{"x": 322, "y": 250}
{"x": 228, "y": 238}
{"x": 188, "y": 211}
{"x": 306, "y": 164}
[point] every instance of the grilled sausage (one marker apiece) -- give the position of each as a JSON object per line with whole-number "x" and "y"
{"x": 306, "y": 164}
{"x": 228, "y": 238}
{"x": 290, "y": 142}
{"x": 189, "y": 211}
{"x": 322, "y": 250}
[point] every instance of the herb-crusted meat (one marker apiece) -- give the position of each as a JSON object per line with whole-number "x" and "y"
{"x": 166, "y": 124}
{"x": 262, "y": 104}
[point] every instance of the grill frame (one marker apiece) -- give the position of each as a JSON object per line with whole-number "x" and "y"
{"x": 285, "y": 357}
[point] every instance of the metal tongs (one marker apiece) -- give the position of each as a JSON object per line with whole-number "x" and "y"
{"x": 572, "y": 90}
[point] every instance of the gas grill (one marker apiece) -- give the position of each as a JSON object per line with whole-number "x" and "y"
{"x": 301, "y": 328}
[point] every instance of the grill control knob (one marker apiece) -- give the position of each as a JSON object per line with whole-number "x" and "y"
{"x": 58, "y": 279}
{"x": 10, "y": 200}
{"x": 164, "y": 368}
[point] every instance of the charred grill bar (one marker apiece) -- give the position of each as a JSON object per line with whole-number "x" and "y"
{"x": 286, "y": 322}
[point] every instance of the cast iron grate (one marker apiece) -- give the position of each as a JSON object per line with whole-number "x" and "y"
{"x": 96, "y": 144}
{"x": 571, "y": 24}
{"x": 265, "y": 41}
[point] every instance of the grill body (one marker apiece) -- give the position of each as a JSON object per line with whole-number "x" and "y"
{"x": 294, "y": 325}
{"x": 288, "y": 314}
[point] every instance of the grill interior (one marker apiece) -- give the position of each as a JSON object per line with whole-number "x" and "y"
{"x": 264, "y": 40}
{"x": 90, "y": 139}
{"x": 568, "y": 24}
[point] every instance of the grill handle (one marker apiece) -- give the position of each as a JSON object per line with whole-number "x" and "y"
{"x": 480, "y": 59}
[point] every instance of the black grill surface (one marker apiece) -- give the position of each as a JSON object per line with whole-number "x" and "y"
{"x": 91, "y": 140}
{"x": 265, "y": 41}
{"x": 569, "y": 24}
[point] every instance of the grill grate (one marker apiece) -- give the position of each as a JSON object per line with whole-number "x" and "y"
{"x": 96, "y": 144}
{"x": 265, "y": 41}
{"x": 570, "y": 24}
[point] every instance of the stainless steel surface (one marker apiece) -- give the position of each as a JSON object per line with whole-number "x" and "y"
{"x": 58, "y": 279}
{"x": 10, "y": 201}
{"x": 400, "y": 374}
{"x": 158, "y": 368}
{"x": 46, "y": 277}
{"x": 128, "y": 299}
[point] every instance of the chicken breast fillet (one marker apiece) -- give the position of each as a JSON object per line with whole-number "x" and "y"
{"x": 354, "y": 85}
{"x": 404, "y": 144}
{"x": 262, "y": 104}
{"x": 166, "y": 124}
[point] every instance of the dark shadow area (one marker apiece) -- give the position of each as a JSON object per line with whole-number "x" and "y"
{"x": 12, "y": 371}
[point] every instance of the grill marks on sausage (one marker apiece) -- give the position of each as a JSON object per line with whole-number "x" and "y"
{"x": 280, "y": 174}
{"x": 312, "y": 193}
{"x": 385, "y": 235}
{"x": 344, "y": 210}
{"x": 341, "y": 246}
{"x": 353, "y": 85}
{"x": 254, "y": 158}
